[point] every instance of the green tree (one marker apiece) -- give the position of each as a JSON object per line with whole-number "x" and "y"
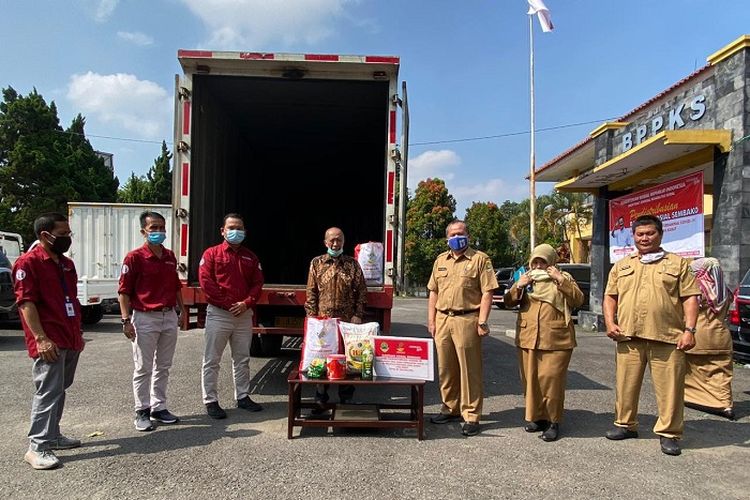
{"x": 33, "y": 176}
{"x": 571, "y": 211}
{"x": 155, "y": 187}
{"x": 93, "y": 180}
{"x": 427, "y": 216}
{"x": 160, "y": 177}
{"x": 42, "y": 166}
{"x": 487, "y": 232}
{"x": 135, "y": 190}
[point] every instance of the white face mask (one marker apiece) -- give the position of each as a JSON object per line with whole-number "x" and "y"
{"x": 652, "y": 257}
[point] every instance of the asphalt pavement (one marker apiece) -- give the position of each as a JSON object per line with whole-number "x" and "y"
{"x": 248, "y": 454}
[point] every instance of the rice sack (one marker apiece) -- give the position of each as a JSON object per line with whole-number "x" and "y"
{"x": 356, "y": 338}
{"x": 321, "y": 338}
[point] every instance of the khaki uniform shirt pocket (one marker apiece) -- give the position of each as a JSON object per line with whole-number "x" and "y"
{"x": 469, "y": 277}
{"x": 670, "y": 277}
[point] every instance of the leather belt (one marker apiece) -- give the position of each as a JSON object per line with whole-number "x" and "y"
{"x": 459, "y": 313}
{"x": 158, "y": 309}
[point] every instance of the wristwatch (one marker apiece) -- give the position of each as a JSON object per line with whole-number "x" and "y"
{"x": 124, "y": 321}
{"x": 485, "y": 327}
{"x": 691, "y": 329}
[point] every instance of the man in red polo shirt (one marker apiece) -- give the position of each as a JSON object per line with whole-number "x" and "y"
{"x": 150, "y": 288}
{"x": 231, "y": 278}
{"x": 45, "y": 286}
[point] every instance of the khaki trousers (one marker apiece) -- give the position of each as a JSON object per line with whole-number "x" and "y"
{"x": 543, "y": 377}
{"x": 708, "y": 380}
{"x": 459, "y": 353}
{"x": 153, "y": 351}
{"x": 667, "y": 366}
{"x": 223, "y": 328}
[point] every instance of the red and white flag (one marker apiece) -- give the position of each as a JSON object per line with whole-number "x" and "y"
{"x": 542, "y": 13}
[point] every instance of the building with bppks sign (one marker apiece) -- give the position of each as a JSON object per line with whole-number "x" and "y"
{"x": 697, "y": 128}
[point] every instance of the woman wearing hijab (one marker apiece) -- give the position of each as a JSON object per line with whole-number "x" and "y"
{"x": 708, "y": 377}
{"x": 545, "y": 338}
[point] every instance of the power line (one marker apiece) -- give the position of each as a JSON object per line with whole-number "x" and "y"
{"x": 509, "y": 134}
{"x": 126, "y": 139}
{"x": 423, "y": 143}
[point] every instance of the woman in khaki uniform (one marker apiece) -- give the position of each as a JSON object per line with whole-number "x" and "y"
{"x": 545, "y": 338}
{"x": 708, "y": 378}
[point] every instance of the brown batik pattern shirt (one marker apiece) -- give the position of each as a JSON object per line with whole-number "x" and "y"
{"x": 335, "y": 288}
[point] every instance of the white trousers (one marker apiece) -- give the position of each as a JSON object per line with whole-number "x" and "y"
{"x": 153, "y": 350}
{"x": 222, "y": 328}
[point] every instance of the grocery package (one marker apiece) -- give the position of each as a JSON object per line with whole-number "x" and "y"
{"x": 367, "y": 357}
{"x": 336, "y": 366}
{"x": 356, "y": 339}
{"x": 370, "y": 258}
{"x": 321, "y": 338}
{"x": 317, "y": 368}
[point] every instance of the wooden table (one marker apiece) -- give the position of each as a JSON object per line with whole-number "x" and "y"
{"x": 415, "y": 407}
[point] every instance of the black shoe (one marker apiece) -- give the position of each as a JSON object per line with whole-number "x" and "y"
{"x": 215, "y": 411}
{"x": 620, "y": 433}
{"x": 164, "y": 416}
{"x": 248, "y": 404}
{"x": 537, "y": 426}
{"x": 728, "y": 413}
{"x": 551, "y": 433}
{"x": 669, "y": 446}
{"x": 318, "y": 411}
{"x": 470, "y": 428}
{"x": 442, "y": 418}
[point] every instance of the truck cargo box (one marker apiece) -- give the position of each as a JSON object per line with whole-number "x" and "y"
{"x": 296, "y": 143}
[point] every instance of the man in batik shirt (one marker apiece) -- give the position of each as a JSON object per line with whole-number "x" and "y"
{"x": 336, "y": 289}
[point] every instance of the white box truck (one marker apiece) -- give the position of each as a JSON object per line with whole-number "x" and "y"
{"x": 296, "y": 143}
{"x": 103, "y": 233}
{"x": 11, "y": 247}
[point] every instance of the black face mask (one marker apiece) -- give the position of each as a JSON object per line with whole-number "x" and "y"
{"x": 61, "y": 244}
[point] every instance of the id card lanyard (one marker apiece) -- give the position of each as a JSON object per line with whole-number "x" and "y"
{"x": 70, "y": 310}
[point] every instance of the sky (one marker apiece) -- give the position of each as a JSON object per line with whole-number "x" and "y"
{"x": 466, "y": 65}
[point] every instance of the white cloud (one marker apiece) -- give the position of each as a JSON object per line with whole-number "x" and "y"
{"x": 431, "y": 164}
{"x": 140, "y": 107}
{"x": 255, "y": 24}
{"x": 495, "y": 190}
{"x": 104, "y": 10}
{"x": 136, "y": 37}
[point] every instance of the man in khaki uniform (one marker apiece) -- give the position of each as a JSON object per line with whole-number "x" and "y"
{"x": 655, "y": 297}
{"x": 461, "y": 287}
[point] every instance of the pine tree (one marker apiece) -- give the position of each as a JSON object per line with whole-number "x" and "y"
{"x": 33, "y": 174}
{"x": 160, "y": 177}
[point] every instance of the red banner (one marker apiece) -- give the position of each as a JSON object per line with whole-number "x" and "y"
{"x": 679, "y": 205}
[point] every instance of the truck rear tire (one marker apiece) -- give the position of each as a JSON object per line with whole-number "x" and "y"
{"x": 91, "y": 315}
{"x": 270, "y": 345}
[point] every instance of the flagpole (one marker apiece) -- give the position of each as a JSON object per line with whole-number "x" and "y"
{"x": 532, "y": 159}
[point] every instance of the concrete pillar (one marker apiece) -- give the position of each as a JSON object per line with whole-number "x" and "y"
{"x": 593, "y": 319}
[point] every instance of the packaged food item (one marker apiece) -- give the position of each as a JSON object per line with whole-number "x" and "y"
{"x": 367, "y": 356}
{"x": 356, "y": 339}
{"x": 370, "y": 258}
{"x": 321, "y": 338}
{"x": 317, "y": 368}
{"x": 336, "y": 366}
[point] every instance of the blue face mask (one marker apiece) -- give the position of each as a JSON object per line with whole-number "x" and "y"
{"x": 458, "y": 243}
{"x": 157, "y": 237}
{"x": 335, "y": 253}
{"x": 235, "y": 236}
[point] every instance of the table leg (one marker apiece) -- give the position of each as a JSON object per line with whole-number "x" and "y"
{"x": 420, "y": 412}
{"x": 291, "y": 410}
